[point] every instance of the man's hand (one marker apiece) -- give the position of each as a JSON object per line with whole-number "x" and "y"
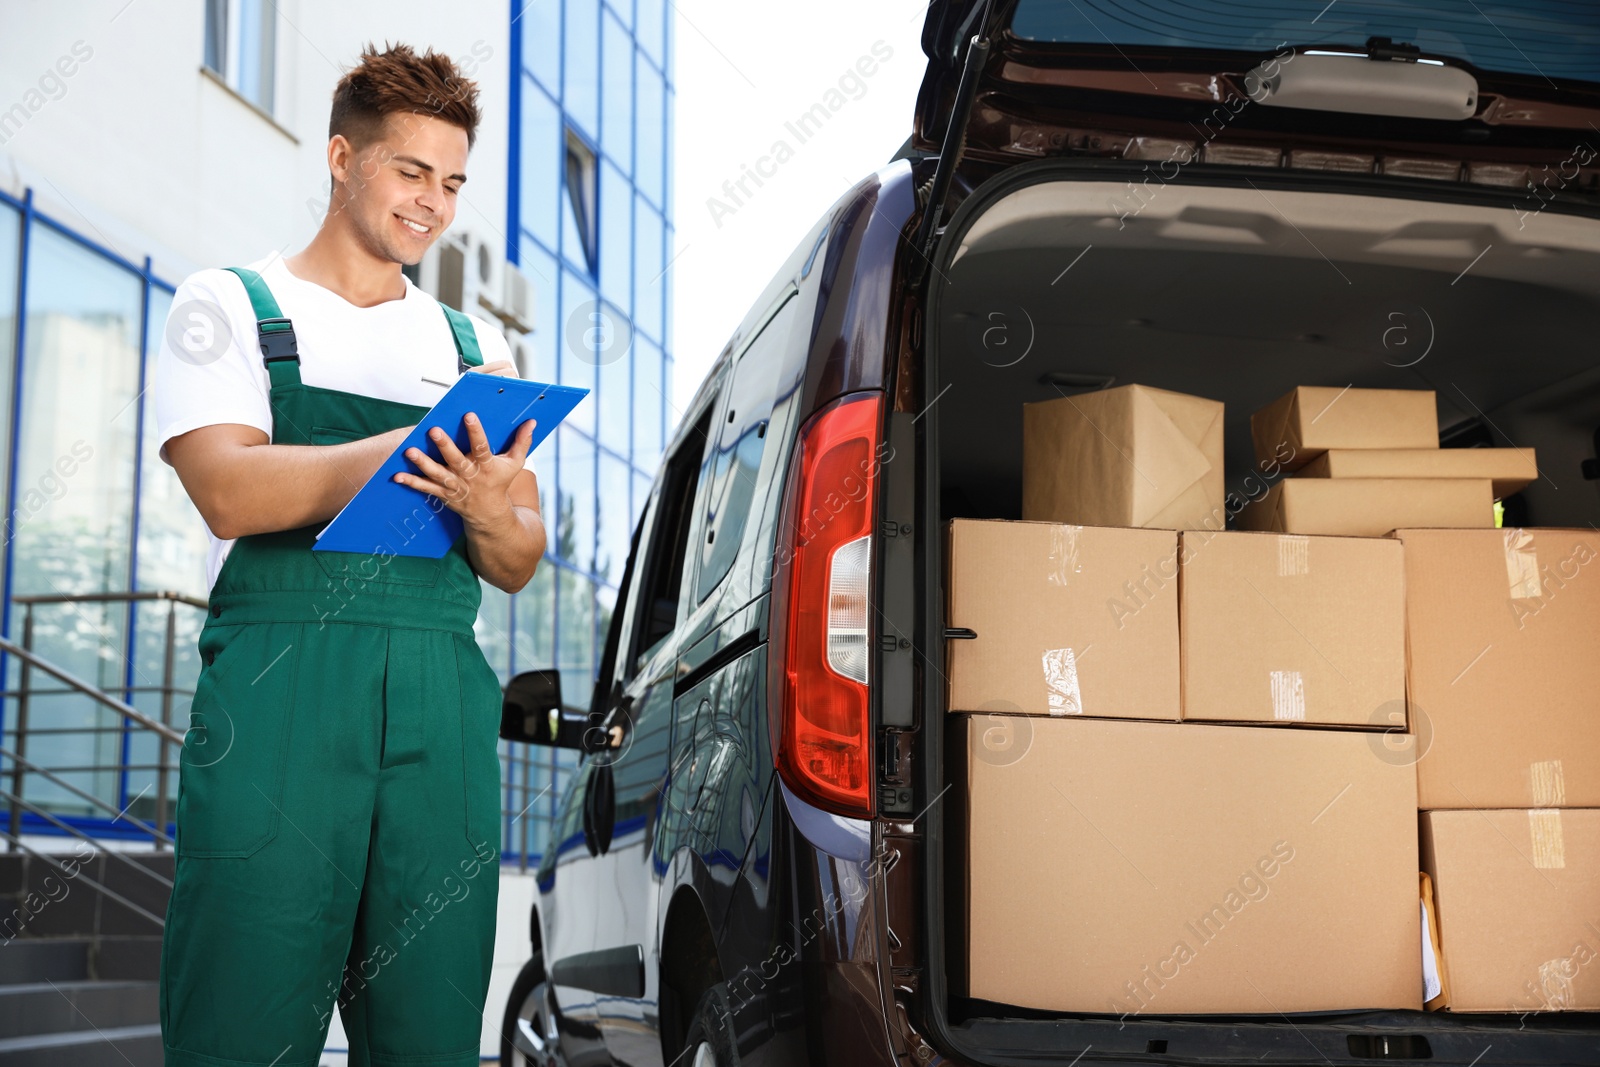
{"x": 473, "y": 484}
{"x": 496, "y": 497}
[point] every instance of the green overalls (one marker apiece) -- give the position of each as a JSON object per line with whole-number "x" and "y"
{"x": 338, "y": 811}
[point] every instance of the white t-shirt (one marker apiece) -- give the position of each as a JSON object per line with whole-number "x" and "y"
{"x": 216, "y": 375}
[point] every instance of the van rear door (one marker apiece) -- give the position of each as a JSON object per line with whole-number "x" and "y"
{"x": 1486, "y": 93}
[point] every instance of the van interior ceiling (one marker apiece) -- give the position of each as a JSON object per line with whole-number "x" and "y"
{"x": 1241, "y": 292}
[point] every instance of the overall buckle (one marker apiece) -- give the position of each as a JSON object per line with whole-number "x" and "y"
{"x": 277, "y": 340}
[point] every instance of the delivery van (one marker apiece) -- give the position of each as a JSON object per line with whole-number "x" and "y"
{"x": 759, "y": 858}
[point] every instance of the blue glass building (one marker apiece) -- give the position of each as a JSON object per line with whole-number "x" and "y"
{"x": 92, "y": 509}
{"x": 589, "y": 208}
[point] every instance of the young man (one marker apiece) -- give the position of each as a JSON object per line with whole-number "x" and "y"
{"x": 338, "y": 813}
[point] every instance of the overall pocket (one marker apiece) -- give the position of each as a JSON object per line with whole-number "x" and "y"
{"x": 352, "y": 571}
{"x": 231, "y": 765}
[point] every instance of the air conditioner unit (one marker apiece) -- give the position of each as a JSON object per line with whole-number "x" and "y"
{"x": 523, "y": 355}
{"x": 468, "y": 274}
{"x": 516, "y": 301}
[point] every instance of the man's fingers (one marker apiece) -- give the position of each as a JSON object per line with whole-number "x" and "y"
{"x": 426, "y": 463}
{"x": 503, "y": 367}
{"x": 518, "y": 451}
{"x": 426, "y": 486}
{"x": 476, "y": 439}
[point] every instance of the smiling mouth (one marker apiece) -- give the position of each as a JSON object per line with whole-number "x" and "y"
{"x": 415, "y": 227}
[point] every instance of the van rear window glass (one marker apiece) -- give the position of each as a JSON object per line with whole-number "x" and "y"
{"x": 1553, "y": 39}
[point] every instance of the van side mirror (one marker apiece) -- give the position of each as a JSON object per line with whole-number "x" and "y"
{"x": 531, "y": 712}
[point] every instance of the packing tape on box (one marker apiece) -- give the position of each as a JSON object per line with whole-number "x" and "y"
{"x": 1294, "y": 556}
{"x": 1555, "y": 982}
{"x": 1544, "y": 828}
{"x": 1547, "y": 784}
{"x": 1063, "y": 554}
{"x": 1522, "y": 564}
{"x": 1061, "y": 681}
{"x": 1288, "y": 696}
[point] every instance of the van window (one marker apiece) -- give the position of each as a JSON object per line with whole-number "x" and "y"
{"x": 736, "y": 461}
{"x": 657, "y": 609}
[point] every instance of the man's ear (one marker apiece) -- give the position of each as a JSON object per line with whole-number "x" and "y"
{"x": 341, "y": 158}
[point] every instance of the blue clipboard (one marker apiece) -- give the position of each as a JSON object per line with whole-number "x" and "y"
{"x": 386, "y": 517}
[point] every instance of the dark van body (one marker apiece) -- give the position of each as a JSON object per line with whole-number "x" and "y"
{"x": 751, "y": 863}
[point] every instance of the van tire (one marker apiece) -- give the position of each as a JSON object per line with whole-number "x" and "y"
{"x": 711, "y": 1040}
{"x": 528, "y": 981}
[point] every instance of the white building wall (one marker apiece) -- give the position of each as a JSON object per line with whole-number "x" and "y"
{"x": 140, "y": 149}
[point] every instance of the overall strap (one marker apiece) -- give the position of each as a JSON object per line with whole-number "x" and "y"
{"x": 275, "y": 333}
{"x": 467, "y": 353}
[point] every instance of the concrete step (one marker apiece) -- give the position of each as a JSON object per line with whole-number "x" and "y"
{"x": 136, "y": 959}
{"x": 28, "y": 960}
{"x": 125, "y": 1046}
{"x": 57, "y": 1007}
{"x": 37, "y": 899}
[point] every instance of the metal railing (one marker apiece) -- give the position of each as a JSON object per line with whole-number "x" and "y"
{"x": 131, "y": 718}
{"x": 529, "y": 775}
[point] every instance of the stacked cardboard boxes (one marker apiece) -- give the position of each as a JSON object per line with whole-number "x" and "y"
{"x": 1192, "y": 762}
{"x": 1369, "y": 462}
{"x": 1503, "y": 628}
{"x": 1179, "y": 866}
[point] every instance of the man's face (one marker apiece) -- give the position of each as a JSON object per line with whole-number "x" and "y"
{"x": 399, "y": 192}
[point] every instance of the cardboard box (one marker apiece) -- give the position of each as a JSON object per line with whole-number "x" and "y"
{"x": 1292, "y": 430}
{"x": 1070, "y": 620}
{"x": 1130, "y": 456}
{"x": 1503, "y": 628}
{"x": 1287, "y": 628}
{"x": 1370, "y": 507}
{"x": 1509, "y": 469}
{"x": 1157, "y": 868}
{"x": 1517, "y": 895}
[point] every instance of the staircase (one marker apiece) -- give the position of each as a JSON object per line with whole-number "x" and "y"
{"x": 78, "y": 967}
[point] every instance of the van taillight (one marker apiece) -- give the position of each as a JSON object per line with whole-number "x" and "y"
{"x": 825, "y": 744}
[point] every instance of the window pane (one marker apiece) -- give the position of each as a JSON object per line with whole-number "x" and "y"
{"x": 574, "y": 527}
{"x": 538, "y": 358}
{"x": 616, "y": 528}
{"x": 648, "y": 232}
{"x": 577, "y": 349}
{"x": 534, "y": 646}
{"x": 616, "y": 238}
{"x": 647, "y": 404}
{"x": 736, "y": 463}
{"x": 540, "y": 24}
{"x": 71, "y": 532}
{"x": 258, "y": 22}
{"x": 623, "y": 9}
{"x": 616, "y": 122}
{"x": 671, "y": 110}
{"x": 667, "y": 287}
{"x": 651, "y": 117}
{"x": 582, "y": 76}
{"x": 575, "y": 647}
{"x": 615, "y": 361}
{"x": 216, "y": 45}
{"x": 651, "y": 28}
{"x": 580, "y": 185}
{"x": 641, "y": 494}
{"x": 493, "y": 630}
{"x": 669, "y": 425}
{"x": 172, "y": 536}
{"x": 543, "y": 157}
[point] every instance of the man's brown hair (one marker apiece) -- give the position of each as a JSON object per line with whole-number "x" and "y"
{"x": 399, "y": 80}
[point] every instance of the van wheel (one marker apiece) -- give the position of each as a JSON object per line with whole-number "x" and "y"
{"x": 526, "y": 1031}
{"x": 711, "y": 1032}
